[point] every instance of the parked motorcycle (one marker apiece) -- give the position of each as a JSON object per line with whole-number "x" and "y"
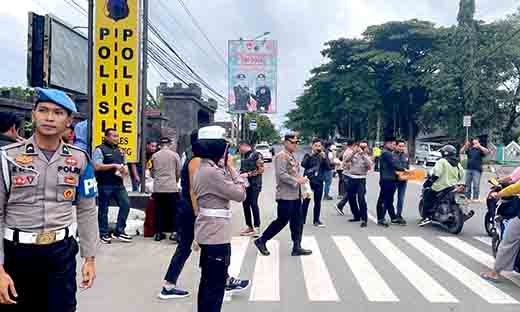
{"x": 449, "y": 207}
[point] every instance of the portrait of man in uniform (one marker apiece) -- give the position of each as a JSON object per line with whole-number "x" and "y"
{"x": 262, "y": 95}
{"x": 242, "y": 95}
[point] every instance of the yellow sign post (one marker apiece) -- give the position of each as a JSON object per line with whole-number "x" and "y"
{"x": 116, "y": 74}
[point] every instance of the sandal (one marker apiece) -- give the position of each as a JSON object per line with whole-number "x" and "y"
{"x": 490, "y": 278}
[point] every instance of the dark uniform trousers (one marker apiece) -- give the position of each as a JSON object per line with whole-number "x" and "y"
{"x": 386, "y": 200}
{"x": 165, "y": 208}
{"x": 214, "y": 263}
{"x": 44, "y": 276}
{"x": 186, "y": 224}
{"x": 289, "y": 211}
{"x": 344, "y": 200}
{"x": 357, "y": 189}
{"x": 317, "y": 190}
{"x": 251, "y": 207}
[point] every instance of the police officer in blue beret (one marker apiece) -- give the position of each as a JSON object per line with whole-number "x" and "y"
{"x": 42, "y": 179}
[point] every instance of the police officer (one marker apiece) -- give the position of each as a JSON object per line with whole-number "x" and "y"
{"x": 215, "y": 183}
{"x": 187, "y": 208}
{"x": 166, "y": 171}
{"x": 288, "y": 197}
{"x": 41, "y": 179}
{"x": 251, "y": 167}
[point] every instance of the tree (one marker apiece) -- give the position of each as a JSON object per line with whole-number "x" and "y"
{"x": 265, "y": 130}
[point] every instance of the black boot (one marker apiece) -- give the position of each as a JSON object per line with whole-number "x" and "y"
{"x": 159, "y": 237}
{"x": 262, "y": 248}
{"x": 299, "y": 251}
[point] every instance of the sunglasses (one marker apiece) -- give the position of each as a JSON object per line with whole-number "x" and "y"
{"x": 293, "y": 142}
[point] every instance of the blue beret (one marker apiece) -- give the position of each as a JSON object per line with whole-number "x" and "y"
{"x": 57, "y": 97}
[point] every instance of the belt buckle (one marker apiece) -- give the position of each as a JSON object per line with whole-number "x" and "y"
{"x": 45, "y": 238}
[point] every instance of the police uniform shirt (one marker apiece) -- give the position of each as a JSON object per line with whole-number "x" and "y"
{"x": 286, "y": 171}
{"x": 37, "y": 194}
{"x": 166, "y": 170}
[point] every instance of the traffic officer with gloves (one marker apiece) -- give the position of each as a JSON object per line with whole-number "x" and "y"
{"x": 41, "y": 179}
{"x": 215, "y": 184}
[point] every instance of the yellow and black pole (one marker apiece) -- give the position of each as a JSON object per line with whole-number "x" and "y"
{"x": 144, "y": 89}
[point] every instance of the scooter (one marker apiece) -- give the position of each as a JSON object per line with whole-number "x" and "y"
{"x": 449, "y": 207}
{"x": 505, "y": 208}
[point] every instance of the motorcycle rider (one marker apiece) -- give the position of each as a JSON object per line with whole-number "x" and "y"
{"x": 447, "y": 173}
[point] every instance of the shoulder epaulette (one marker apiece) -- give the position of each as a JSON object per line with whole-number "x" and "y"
{"x": 79, "y": 150}
{"x": 12, "y": 145}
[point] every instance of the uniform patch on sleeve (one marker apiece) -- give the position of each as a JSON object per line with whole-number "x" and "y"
{"x": 87, "y": 182}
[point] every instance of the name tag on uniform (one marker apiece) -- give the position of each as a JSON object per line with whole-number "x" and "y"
{"x": 87, "y": 182}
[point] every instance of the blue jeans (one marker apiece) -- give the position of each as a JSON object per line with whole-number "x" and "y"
{"x": 327, "y": 178}
{"x": 473, "y": 183}
{"x": 119, "y": 194}
{"x": 401, "y": 192}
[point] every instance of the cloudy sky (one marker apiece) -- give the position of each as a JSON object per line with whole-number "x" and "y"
{"x": 300, "y": 26}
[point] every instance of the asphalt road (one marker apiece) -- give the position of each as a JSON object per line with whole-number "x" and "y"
{"x": 395, "y": 269}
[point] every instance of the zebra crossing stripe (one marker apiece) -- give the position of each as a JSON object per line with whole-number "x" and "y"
{"x": 484, "y": 239}
{"x": 239, "y": 248}
{"x": 477, "y": 255}
{"x": 471, "y": 280}
{"x": 266, "y": 280}
{"x": 317, "y": 278}
{"x": 424, "y": 283}
{"x": 372, "y": 284}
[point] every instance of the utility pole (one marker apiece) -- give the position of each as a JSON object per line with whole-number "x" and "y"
{"x": 90, "y": 75}
{"x": 144, "y": 89}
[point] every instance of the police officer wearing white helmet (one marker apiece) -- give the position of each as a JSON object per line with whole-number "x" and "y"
{"x": 41, "y": 179}
{"x": 215, "y": 184}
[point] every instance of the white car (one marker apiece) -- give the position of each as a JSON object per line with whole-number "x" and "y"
{"x": 265, "y": 151}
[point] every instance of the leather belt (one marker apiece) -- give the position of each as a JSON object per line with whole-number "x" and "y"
{"x": 43, "y": 238}
{"x": 217, "y": 213}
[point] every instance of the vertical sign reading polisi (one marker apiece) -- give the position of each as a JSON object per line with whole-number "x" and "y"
{"x": 116, "y": 73}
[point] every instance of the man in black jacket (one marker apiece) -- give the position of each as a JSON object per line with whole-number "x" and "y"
{"x": 388, "y": 183}
{"x": 315, "y": 164}
{"x": 8, "y": 128}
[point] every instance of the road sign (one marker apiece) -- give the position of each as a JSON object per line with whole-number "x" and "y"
{"x": 467, "y": 121}
{"x": 252, "y": 125}
{"x": 116, "y": 74}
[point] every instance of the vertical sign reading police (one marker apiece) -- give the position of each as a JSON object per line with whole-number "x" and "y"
{"x": 116, "y": 73}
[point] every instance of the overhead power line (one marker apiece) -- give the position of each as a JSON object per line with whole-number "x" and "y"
{"x": 196, "y": 23}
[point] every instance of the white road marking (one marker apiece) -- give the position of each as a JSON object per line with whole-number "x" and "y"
{"x": 266, "y": 280}
{"x": 317, "y": 278}
{"x": 424, "y": 283}
{"x": 372, "y": 218}
{"x": 484, "y": 239}
{"x": 471, "y": 280}
{"x": 238, "y": 253}
{"x": 372, "y": 284}
{"x": 478, "y": 255}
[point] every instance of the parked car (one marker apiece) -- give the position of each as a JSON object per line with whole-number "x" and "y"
{"x": 265, "y": 150}
{"x": 427, "y": 153}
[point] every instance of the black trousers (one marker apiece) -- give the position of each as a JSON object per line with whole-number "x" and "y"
{"x": 214, "y": 263}
{"x": 165, "y": 208}
{"x": 289, "y": 211}
{"x": 341, "y": 184}
{"x": 185, "y": 230}
{"x": 387, "y": 193}
{"x": 317, "y": 190}
{"x": 344, "y": 200}
{"x": 429, "y": 199}
{"x": 44, "y": 276}
{"x": 357, "y": 189}
{"x": 251, "y": 207}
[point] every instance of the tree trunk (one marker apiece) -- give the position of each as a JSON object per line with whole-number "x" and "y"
{"x": 411, "y": 128}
